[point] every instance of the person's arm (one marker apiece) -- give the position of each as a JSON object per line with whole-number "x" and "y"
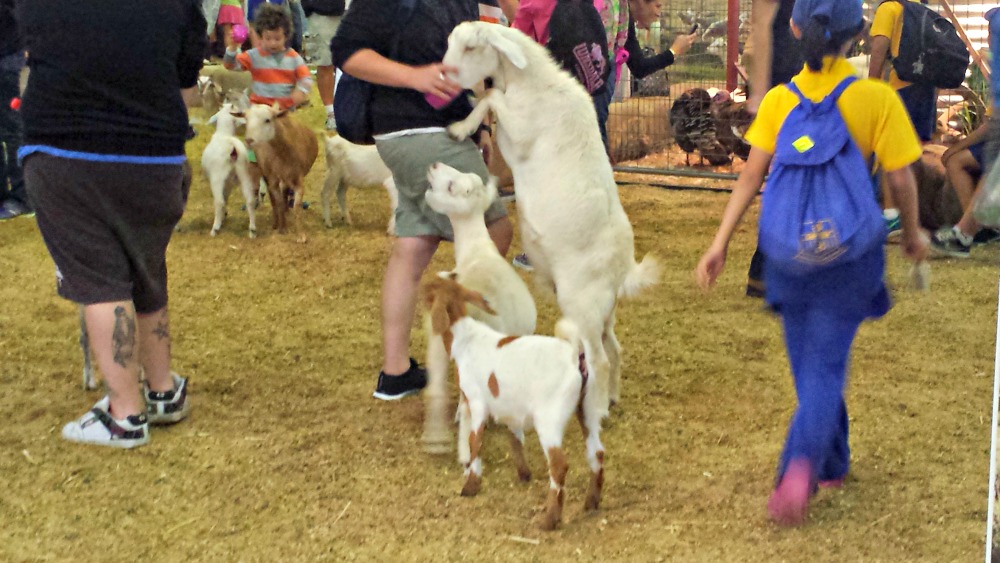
{"x": 642, "y": 66}
{"x": 880, "y": 54}
{"x": 744, "y": 191}
{"x": 303, "y": 82}
{"x": 881, "y": 31}
{"x": 762, "y": 13}
{"x": 904, "y": 193}
{"x": 191, "y": 57}
{"x": 509, "y": 8}
{"x": 370, "y": 66}
{"x": 976, "y": 136}
{"x": 235, "y": 60}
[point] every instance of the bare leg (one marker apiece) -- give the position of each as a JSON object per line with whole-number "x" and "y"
{"x": 324, "y": 83}
{"x": 407, "y": 262}
{"x": 112, "y": 332}
{"x": 154, "y": 347}
{"x": 962, "y": 170}
{"x": 88, "y": 369}
{"x": 502, "y": 234}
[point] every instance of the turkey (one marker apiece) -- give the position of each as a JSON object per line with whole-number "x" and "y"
{"x": 694, "y": 127}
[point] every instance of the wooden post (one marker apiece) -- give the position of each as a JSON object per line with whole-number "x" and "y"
{"x": 976, "y": 58}
{"x": 732, "y": 43}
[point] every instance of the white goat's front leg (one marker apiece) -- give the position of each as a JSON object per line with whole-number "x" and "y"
{"x": 590, "y": 421}
{"x": 474, "y": 469}
{"x": 250, "y": 196}
{"x": 614, "y": 351}
{"x": 89, "y": 381}
{"x": 436, "y": 438}
{"x": 461, "y": 130}
{"x": 390, "y": 188}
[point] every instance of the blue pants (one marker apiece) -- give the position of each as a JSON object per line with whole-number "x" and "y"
{"x": 819, "y": 341}
{"x": 920, "y": 101}
{"x": 602, "y": 104}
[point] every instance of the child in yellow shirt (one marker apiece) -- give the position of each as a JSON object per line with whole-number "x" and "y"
{"x": 821, "y": 311}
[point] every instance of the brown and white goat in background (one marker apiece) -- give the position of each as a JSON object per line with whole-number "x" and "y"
{"x": 286, "y": 151}
{"x": 523, "y": 382}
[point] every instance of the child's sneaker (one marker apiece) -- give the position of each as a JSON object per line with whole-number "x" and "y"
{"x": 97, "y": 427}
{"x": 331, "y": 123}
{"x": 893, "y": 225}
{"x": 392, "y": 388}
{"x": 789, "y": 502}
{"x": 948, "y": 241}
{"x": 521, "y": 261}
{"x": 167, "y": 407}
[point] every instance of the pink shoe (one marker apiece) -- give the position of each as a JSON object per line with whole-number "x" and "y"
{"x": 832, "y": 483}
{"x": 790, "y": 500}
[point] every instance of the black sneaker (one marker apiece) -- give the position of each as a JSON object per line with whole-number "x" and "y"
{"x": 167, "y": 407}
{"x": 946, "y": 242}
{"x": 986, "y": 235}
{"x": 395, "y": 387}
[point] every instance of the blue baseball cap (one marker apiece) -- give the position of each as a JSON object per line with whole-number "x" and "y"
{"x": 842, "y": 15}
{"x": 989, "y": 13}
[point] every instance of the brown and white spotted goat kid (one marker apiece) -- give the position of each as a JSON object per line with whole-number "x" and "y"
{"x": 521, "y": 381}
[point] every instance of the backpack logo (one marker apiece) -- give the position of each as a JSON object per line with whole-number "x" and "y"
{"x": 819, "y": 243}
{"x": 803, "y": 143}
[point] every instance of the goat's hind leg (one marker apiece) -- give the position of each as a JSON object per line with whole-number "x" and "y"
{"x": 218, "y": 185}
{"x": 551, "y": 440}
{"x": 517, "y": 449}
{"x": 614, "y": 351}
{"x": 590, "y": 422}
{"x": 250, "y": 196}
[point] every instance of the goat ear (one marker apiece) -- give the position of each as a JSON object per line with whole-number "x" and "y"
{"x": 478, "y": 300}
{"x": 507, "y": 48}
{"x": 236, "y": 114}
{"x": 439, "y": 315}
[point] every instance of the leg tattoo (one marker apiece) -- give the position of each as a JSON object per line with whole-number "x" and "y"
{"x": 123, "y": 337}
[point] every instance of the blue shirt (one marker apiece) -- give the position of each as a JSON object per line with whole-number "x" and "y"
{"x": 995, "y": 64}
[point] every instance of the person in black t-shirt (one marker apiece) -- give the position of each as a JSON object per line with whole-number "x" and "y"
{"x": 410, "y": 136}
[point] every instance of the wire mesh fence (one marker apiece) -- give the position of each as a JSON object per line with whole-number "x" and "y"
{"x": 640, "y": 131}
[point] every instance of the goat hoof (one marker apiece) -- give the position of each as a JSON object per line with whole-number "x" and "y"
{"x": 549, "y": 522}
{"x": 253, "y": 233}
{"x": 591, "y": 504}
{"x": 456, "y": 132}
{"x": 524, "y": 475}
{"x": 303, "y": 239}
{"x": 214, "y": 232}
{"x": 328, "y": 224}
{"x": 471, "y": 487}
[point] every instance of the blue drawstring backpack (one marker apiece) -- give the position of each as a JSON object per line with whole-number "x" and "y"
{"x": 818, "y": 209}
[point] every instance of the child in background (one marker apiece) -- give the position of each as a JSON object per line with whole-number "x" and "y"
{"x": 279, "y": 73}
{"x": 822, "y": 311}
{"x": 230, "y": 14}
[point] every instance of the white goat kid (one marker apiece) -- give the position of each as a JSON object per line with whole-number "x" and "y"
{"x": 478, "y": 266}
{"x": 225, "y": 163}
{"x": 523, "y": 382}
{"x": 573, "y": 226}
{"x": 348, "y": 164}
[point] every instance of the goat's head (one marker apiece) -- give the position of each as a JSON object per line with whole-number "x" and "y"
{"x": 476, "y": 50}
{"x": 446, "y": 299}
{"x": 454, "y": 193}
{"x": 336, "y": 146}
{"x": 260, "y": 122}
{"x": 225, "y": 119}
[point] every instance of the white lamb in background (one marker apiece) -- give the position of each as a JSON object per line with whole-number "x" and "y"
{"x": 224, "y": 162}
{"x": 522, "y": 381}
{"x": 348, "y": 164}
{"x": 478, "y": 266}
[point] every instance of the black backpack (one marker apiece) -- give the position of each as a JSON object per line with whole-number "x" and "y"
{"x": 578, "y": 42}
{"x": 930, "y": 50}
{"x": 324, "y": 7}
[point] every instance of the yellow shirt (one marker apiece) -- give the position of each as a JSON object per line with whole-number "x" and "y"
{"x": 874, "y": 114}
{"x": 888, "y": 22}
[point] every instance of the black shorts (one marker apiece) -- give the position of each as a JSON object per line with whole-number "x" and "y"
{"x": 106, "y": 226}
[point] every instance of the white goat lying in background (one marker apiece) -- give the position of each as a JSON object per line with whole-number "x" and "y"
{"x": 478, "y": 266}
{"x": 523, "y": 382}
{"x": 224, "y": 162}
{"x": 573, "y": 226}
{"x": 348, "y": 164}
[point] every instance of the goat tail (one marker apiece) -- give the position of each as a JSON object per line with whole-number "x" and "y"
{"x": 568, "y": 331}
{"x": 641, "y": 276}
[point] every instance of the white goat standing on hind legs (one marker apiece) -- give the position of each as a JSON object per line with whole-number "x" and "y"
{"x": 573, "y": 226}
{"x": 523, "y": 382}
{"x": 478, "y": 266}
{"x": 225, "y": 163}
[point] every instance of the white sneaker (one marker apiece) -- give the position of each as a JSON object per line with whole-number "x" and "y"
{"x": 97, "y": 427}
{"x": 331, "y": 123}
{"x": 167, "y": 407}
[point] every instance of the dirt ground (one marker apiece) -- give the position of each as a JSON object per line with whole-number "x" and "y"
{"x": 286, "y": 456}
